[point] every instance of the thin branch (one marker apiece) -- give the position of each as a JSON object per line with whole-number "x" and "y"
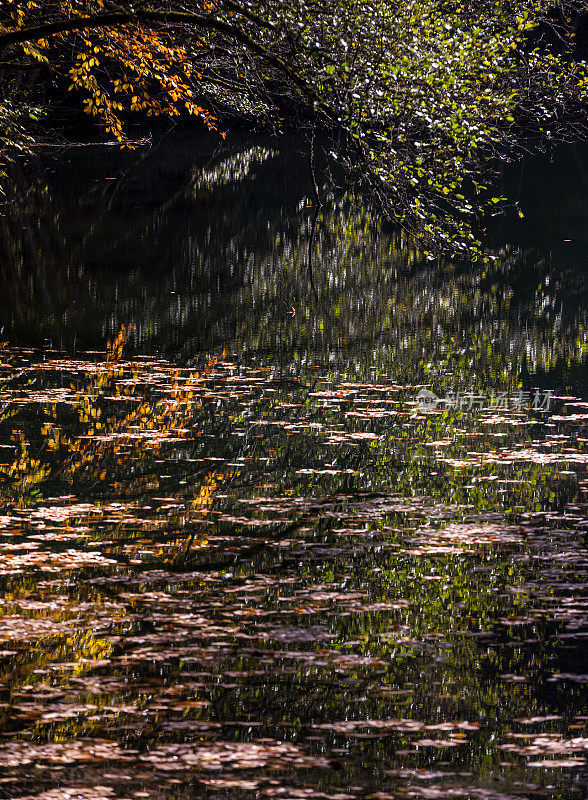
{"x": 13, "y": 66}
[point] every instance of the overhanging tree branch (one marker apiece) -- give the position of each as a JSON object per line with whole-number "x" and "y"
{"x": 114, "y": 19}
{"x": 151, "y": 18}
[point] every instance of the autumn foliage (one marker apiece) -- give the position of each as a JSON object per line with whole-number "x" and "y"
{"x": 127, "y": 68}
{"x": 419, "y": 96}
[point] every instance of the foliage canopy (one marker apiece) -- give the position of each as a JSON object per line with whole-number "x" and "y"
{"x": 421, "y": 94}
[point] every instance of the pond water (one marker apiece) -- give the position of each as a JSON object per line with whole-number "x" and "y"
{"x": 242, "y": 554}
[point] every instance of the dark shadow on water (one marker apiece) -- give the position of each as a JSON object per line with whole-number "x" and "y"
{"x": 204, "y": 244}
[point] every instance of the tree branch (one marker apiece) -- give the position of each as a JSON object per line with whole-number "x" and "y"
{"x": 150, "y": 18}
{"x": 12, "y": 65}
{"x": 114, "y": 19}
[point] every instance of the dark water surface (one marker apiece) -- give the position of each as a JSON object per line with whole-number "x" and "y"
{"x": 237, "y": 558}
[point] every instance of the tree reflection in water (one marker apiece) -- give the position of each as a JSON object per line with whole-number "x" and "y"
{"x": 236, "y": 558}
